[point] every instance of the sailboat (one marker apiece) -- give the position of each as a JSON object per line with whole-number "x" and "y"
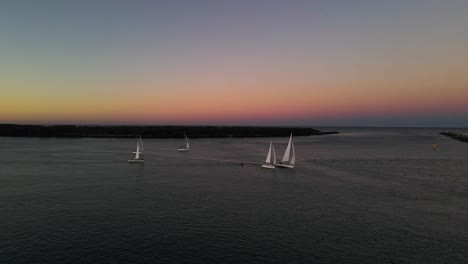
{"x": 268, "y": 164}
{"x": 289, "y": 158}
{"x": 186, "y": 147}
{"x": 139, "y": 158}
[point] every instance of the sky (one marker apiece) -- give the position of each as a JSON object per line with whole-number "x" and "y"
{"x": 243, "y": 62}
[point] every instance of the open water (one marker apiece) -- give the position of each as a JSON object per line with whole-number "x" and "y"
{"x": 362, "y": 196}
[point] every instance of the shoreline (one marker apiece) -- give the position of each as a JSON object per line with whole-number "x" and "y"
{"x": 79, "y": 131}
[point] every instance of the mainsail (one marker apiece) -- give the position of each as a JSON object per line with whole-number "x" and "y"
{"x": 288, "y": 150}
{"x": 268, "y": 158}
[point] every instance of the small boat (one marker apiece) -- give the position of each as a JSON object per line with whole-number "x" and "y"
{"x": 268, "y": 164}
{"x": 186, "y": 147}
{"x": 289, "y": 158}
{"x": 139, "y": 158}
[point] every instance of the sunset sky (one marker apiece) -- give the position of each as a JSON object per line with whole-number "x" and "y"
{"x": 239, "y": 62}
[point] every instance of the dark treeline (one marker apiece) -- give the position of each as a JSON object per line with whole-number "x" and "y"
{"x": 456, "y": 136}
{"x": 7, "y": 130}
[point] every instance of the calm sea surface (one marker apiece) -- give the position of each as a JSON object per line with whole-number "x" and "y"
{"x": 363, "y": 196}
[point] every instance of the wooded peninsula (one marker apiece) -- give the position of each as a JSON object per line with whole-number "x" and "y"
{"x": 78, "y": 131}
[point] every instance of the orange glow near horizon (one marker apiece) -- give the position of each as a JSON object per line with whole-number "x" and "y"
{"x": 229, "y": 105}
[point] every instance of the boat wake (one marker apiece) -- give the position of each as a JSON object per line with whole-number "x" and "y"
{"x": 212, "y": 159}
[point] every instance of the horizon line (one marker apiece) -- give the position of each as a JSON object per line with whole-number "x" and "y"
{"x": 226, "y": 125}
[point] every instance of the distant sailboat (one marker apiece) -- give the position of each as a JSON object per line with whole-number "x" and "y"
{"x": 289, "y": 158}
{"x": 139, "y": 158}
{"x": 186, "y": 147}
{"x": 268, "y": 164}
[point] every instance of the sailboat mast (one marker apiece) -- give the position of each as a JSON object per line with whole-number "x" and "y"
{"x": 274, "y": 154}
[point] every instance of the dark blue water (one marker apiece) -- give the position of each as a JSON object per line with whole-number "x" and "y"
{"x": 364, "y": 196}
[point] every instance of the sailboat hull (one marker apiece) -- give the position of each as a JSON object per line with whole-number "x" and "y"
{"x": 283, "y": 165}
{"x": 136, "y": 161}
{"x": 268, "y": 166}
{"x": 183, "y": 149}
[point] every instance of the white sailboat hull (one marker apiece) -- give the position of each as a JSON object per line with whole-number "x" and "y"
{"x": 268, "y": 166}
{"x": 183, "y": 149}
{"x": 136, "y": 161}
{"x": 284, "y": 165}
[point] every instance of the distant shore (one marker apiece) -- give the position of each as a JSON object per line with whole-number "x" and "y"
{"x": 75, "y": 131}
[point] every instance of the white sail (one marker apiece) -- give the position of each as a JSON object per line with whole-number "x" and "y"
{"x": 268, "y": 158}
{"x": 137, "y": 152}
{"x": 293, "y": 158}
{"x": 186, "y": 142}
{"x": 268, "y": 164}
{"x": 141, "y": 145}
{"x": 274, "y": 154}
{"x": 288, "y": 150}
{"x": 289, "y": 159}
